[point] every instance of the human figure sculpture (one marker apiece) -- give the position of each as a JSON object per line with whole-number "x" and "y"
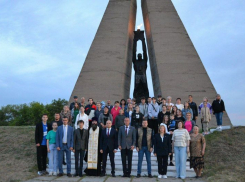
{"x": 140, "y": 66}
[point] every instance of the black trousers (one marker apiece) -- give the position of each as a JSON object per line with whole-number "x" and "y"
{"x": 41, "y": 157}
{"x": 79, "y": 154}
{"x": 112, "y": 156}
{"x": 171, "y": 156}
{"x": 153, "y": 124}
{"x": 127, "y": 154}
{"x": 162, "y": 164}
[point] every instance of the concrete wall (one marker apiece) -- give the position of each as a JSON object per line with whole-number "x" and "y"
{"x": 176, "y": 67}
{"x": 106, "y": 73}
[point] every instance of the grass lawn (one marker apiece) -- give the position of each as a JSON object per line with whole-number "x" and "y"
{"x": 224, "y": 158}
{"x": 17, "y": 153}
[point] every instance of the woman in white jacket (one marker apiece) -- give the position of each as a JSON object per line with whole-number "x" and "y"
{"x": 82, "y": 116}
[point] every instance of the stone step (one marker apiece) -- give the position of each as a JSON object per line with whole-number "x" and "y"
{"x": 189, "y": 174}
{"x": 134, "y": 167}
{"x": 223, "y": 128}
{"x": 134, "y": 162}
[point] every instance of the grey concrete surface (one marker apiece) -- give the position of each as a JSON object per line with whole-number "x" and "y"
{"x": 176, "y": 67}
{"x": 106, "y": 73}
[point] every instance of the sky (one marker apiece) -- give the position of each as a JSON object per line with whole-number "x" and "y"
{"x": 43, "y": 45}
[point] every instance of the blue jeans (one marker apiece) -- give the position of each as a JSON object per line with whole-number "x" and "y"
{"x": 180, "y": 161}
{"x": 144, "y": 150}
{"x": 219, "y": 116}
{"x": 53, "y": 158}
{"x": 65, "y": 149}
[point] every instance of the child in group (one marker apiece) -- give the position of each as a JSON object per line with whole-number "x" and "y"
{"x": 171, "y": 128}
{"x": 52, "y": 151}
{"x": 205, "y": 117}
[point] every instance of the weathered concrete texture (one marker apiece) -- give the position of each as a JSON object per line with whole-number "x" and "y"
{"x": 106, "y": 73}
{"x": 176, "y": 68}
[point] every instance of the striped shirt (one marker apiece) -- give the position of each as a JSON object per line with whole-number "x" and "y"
{"x": 180, "y": 137}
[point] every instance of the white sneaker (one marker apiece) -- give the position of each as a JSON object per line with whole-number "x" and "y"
{"x": 50, "y": 173}
{"x": 159, "y": 176}
{"x": 164, "y": 176}
{"x": 55, "y": 173}
{"x": 40, "y": 173}
{"x": 218, "y": 128}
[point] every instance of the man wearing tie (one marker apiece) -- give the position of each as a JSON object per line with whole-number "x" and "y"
{"x": 126, "y": 143}
{"x": 64, "y": 143}
{"x": 108, "y": 143}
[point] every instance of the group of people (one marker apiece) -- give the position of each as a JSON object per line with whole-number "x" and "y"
{"x": 95, "y": 130}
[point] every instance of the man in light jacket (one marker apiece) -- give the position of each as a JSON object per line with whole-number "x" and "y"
{"x": 126, "y": 143}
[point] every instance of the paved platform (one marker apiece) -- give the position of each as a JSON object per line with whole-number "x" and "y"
{"x": 110, "y": 179}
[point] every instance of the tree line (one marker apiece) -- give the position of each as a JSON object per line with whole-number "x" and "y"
{"x": 29, "y": 114}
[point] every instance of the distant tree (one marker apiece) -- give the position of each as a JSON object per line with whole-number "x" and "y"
{"x": 29, "y": 114}
{"x": 55, "y": 106}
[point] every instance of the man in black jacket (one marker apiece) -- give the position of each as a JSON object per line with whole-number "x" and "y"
{"x": 41, "y": 143}
{"x": 218, "y": 107}
{"x": 193, "y": 106}
{"x": 73, "y": 103}
{"x": 80, "y": 145}
{"x": 109, "y": 145}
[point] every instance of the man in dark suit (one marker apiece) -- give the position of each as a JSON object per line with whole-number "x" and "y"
{"x": 108, "y": 143}
{"x": 64, "y": 143}
{"x": 80, "y": 146}
{"x": 126, "y": 143}
{"x": 41, "y": 143}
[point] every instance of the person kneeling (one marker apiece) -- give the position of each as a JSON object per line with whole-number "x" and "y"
{"x": 162, "y": 148}
{"x": 80, "y": 146}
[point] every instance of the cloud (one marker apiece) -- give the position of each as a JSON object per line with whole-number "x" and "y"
{"x": 43, "y": 45}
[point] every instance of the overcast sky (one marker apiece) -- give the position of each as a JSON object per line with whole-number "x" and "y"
{"x": 43, "y": 45}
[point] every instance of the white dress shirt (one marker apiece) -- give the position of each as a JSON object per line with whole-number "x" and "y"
{"x": 65, "y": 130}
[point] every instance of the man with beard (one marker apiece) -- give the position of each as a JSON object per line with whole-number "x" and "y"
{"x": 93, "y": 156}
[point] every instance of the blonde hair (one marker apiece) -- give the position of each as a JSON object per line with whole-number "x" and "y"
{"x": 163, "y": 127}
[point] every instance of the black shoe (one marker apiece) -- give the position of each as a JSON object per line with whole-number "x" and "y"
{"x": 64, "y": 163}
{"x": 69, "y": 175}
{"x": 149, "y": 176}
{"x": 113, "y": 175}
{"x": 60, "y": 174}
{"x": 171, "y": 164}
{"x": 80, "y": 175}
{"x": 125, "y": 175}
{"x": 76, "y": 174}
{"x": 102, "y": 174}
{"x": 129, "y": 175}
{"x": 138, "y": 176}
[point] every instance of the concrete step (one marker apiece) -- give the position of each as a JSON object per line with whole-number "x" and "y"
{"x": 134, "y": 162}
{"x": 223, "y": 128}
{"x": 189, "y": 174}
{"x": 134, "y": 167}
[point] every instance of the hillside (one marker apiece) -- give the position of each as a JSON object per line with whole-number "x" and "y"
{"x": 17, "y": 153}
{"x": 224, "y": 158}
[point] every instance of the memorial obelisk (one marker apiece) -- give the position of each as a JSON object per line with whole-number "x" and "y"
{"x": 106, "y": 73}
